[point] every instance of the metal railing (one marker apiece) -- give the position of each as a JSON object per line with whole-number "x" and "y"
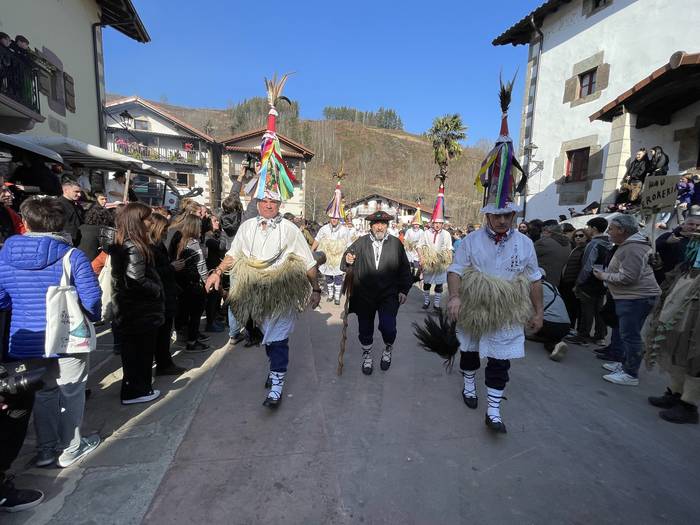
{"x": 155, "y": 154}
{"x": 18, "y": 79}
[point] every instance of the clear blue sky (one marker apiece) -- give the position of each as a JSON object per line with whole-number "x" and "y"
{"x": 422, "y": 59}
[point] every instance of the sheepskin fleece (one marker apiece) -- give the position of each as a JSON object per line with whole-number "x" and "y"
{"x": 258, "y": 293}
{"x": 434, "y": 261}
{"x": 334, "y": 250}
{"x": 490, "y": 303}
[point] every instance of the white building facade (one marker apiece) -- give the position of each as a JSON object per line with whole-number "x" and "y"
{"x": 142, "y": 130}
{"x": 56, "y": 86}
{"x": 584, "y": 57}
{"x": 242, "y": 150}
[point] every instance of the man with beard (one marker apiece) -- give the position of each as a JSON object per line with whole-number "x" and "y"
{"x": 381, "y": 280}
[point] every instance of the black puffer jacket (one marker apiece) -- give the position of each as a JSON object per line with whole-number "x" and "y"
{"x": 167, "y": 276}
{"x": 137, "y": 290}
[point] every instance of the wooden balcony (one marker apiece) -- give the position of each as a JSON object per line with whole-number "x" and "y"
{"x": 19, "y": 92}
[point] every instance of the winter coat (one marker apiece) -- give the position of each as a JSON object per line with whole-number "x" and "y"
{"x": 629, "y": 274}
{"x": 90, "y": 240}
{"x": 596, "y": 252}
{"x": 10, "y": 223}
{"x": 638, "y": 170}
{"x": 572, "y": 266}
{"x": 552, "y": 253}
{"x": 374, "y": 286}
{"x": 167, "y": 277}
{"x": 659, "y": 165}
{"x": 137, "y": 293}
{"x": 29, "y": 264}
{"x": 73, "y": 213}
{"x": 215, "y": 244}
{"x": 685, "y": 192}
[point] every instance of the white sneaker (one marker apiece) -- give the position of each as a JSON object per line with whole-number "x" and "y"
{"x": 612, "y": 367}
{"x": 87, "y": 445}
{"x": 559, "y": 351}
{"x": 143, "y": 399}
{"x": 621, "y": 377}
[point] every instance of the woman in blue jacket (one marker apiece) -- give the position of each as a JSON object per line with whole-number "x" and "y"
{"x": 29, "y": 264}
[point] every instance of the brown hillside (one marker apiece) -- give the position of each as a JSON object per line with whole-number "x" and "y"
{"x": 396, "y": 163}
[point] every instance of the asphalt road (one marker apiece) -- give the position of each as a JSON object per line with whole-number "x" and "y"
{"x": 396, "y": 447}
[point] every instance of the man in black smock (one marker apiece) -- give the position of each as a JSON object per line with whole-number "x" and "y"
{"x": 381, "y": 277}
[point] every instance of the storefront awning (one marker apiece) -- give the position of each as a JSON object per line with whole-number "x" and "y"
{"x": 657, "y": 97}
{"x": 93, "y": 157}
{"x": 14, "y": 143}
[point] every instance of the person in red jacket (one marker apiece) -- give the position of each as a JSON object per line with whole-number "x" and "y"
{"x": 10, "y": 222}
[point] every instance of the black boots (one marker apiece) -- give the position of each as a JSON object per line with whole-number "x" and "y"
{"x": 668, "y": 400}
{"x": 682, "y": 412}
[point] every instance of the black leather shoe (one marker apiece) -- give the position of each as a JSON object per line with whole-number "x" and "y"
{"x": 425, "y": 306}
{"x": 272, "y": 402}
{"x": 367, "y": 370}
{"x": 496, "y": 426}
{"x": 471, "y": 402}
{"x": 384, "y": 365}
{"x": 337, "y": 301}
{"x": 329, "y": 299}
{"x": 668, "y": 400}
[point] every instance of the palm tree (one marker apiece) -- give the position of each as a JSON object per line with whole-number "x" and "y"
{"x": 445, "y": 135}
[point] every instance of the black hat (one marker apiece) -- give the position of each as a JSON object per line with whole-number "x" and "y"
{"x": 380, "y": 216}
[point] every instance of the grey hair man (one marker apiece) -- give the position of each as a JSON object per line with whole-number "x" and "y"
{"x": 630, "y": 279}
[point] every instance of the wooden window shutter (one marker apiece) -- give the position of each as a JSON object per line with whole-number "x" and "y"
{"x": 190, "y": 180}
{"x": 69, "y": 88}
{"x": 44, "y": 82}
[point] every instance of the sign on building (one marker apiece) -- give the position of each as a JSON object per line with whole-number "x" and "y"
{"x": 659, "y": 193}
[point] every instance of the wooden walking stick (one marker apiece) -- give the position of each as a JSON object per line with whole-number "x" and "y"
{"x": 347, "y": 291}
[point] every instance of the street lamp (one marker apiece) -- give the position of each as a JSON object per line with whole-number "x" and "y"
{"x": 125, "y": 118}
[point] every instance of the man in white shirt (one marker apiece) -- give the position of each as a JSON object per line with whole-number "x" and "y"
{"x": 115, "y": 188}
{"x": 494, "y": 261}
{"x": 332, "y": 239}
{"x": 273, "y": 272}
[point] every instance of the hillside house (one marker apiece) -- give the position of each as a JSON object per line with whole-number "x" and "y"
{"x": 402, "y": 210}
{"x": 601, "y": 83}
{"x": 143, "y": 130}
{"x": 239, "y": 148}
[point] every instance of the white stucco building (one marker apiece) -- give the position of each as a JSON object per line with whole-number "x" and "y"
{"x": 145, "y": 131}
{"x": 57, "y": 86}
{"x": 244, "y": 148}
{"x": 603, "y": 78}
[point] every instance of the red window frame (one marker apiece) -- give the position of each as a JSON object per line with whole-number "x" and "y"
{"x": 577, "y": 164}
{"x": 587, "y": 82}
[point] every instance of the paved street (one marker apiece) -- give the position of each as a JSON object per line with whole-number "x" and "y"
{"x": 393, "y": 448}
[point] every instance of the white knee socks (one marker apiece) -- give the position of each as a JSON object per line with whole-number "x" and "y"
{"x": 469, "y": 382}
{"x": 436, "y": 300}
{"x": 494, "y": 408}
{"x": 277, "y": 380}
{"x": 330, "y": 290}
{"x": 337, "y": 291}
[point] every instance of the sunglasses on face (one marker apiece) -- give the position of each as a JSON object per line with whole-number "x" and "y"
{"x": 579, "y": 236}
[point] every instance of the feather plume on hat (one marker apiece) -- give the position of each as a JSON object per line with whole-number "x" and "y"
{"x": 497, "y": 173}
{"x": 275, "y": 179}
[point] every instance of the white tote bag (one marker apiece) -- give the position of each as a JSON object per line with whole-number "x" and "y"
{"x": 68, "y": 330}
{"x": 105, "y": 280}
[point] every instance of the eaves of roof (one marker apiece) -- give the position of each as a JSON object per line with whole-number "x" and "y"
{"x": 521, "y": 32}
{"x": 160, "y": 111}
{"x": 122, "y": 16}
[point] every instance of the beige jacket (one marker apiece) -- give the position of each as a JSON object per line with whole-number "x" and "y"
{"x": 629, "y": 275}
